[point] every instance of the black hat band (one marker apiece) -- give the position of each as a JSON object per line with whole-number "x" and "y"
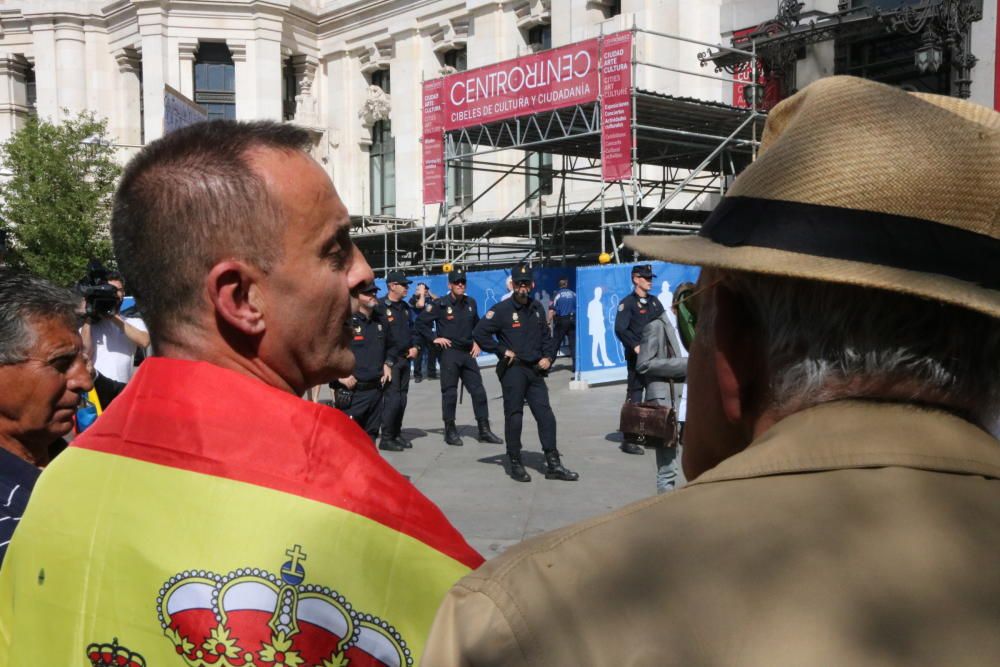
{"x": 882, "y": 239}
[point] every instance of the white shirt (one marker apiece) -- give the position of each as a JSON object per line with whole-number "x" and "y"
{"x": 113, "y": 351}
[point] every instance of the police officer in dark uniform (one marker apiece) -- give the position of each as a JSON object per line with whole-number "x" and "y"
{"x": 359, "y": 395}
{"x": 634, "y": 312}
{"x": 447, "y": 322}
{"x": 402, "y": 348}
{"x": 517, "y": 331}
{"x": 425, "y": 351}
{"x": 562, "y": 315}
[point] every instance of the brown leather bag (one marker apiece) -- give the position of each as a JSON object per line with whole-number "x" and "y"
{"x": 650, "y": 424}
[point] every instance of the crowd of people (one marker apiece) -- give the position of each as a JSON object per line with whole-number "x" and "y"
{"x": 840, "y": 448}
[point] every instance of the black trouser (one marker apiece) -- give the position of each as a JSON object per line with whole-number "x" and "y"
{"x": 634, "y": 387}
{"x": 366, "y": 410}
{"x": 107, "y": 390}
{"x": 455, "y": 364}
{"x": 428, "y": 352}
{"x": 565, "y": 327}
{"x": 523, "y": 382}
{"x": 395, "y": 399}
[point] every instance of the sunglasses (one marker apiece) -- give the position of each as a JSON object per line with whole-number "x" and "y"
{"x": 522, "y": 283}
{"x": 458, "y": 282}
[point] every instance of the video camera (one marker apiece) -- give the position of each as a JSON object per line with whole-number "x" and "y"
{"x": 101, "y": 297}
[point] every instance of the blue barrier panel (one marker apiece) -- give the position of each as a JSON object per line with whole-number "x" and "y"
{"x": 600, "y": 290}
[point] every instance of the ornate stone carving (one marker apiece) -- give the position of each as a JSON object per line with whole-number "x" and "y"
{"x": 376, "y": 107}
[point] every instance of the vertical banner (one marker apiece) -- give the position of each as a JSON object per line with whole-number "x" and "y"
{"x": 433, "y": 141}
{"x": 601, "y": 357}
{"x": 616, "y": 107}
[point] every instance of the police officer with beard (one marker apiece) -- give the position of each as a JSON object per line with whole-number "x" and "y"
{"x": 359, "y": 395}
{"x": 516, "y": 331}
{"x": 447, "y": 322}
{"x": 634, "y": 312}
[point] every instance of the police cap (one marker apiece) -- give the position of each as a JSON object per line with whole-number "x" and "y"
{"x": 643, "y": 271}
{"x": 521, "y": 273}
{"x": 397, "y": 277}
{"x": 456, "y": 276}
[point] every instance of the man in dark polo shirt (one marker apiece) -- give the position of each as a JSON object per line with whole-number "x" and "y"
{"x": 43, "y": 372}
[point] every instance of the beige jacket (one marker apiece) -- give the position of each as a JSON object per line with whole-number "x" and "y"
{"x": 853, "y": 533}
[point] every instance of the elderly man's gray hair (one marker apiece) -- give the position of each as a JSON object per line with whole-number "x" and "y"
{"x": 825, "y": 342}
{"x": 24, "y": 300}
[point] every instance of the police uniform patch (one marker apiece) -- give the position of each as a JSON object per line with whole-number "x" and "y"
{"x": 489, "y": 314}
{"x": 429, "y": 307}
{"x": 515, "y": 317}
{"x": 621, "y": 307}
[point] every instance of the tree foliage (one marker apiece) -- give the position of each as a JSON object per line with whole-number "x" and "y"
{"x": 56, "y": 204}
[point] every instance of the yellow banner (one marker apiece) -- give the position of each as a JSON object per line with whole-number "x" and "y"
{"x": 156, "y": 566}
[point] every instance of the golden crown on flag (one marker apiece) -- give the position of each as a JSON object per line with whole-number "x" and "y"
{"x": 105, "y": 655}
{"x": 251, "y": 617}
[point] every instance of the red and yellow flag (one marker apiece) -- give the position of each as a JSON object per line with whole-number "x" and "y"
{"x": 207, "y": 519}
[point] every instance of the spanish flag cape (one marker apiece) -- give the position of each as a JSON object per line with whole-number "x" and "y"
{"x": 207, "y": 519}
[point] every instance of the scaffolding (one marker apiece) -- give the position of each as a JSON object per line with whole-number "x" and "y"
{"x": 682, "y": 150}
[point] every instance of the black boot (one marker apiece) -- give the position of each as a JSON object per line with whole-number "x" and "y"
{"x": 451, "y": 436}
{"x": 390, "y": 444}
{"x": 555, "y": 470}
{"x": 517, "y": 471}
{"x": 486, "y": 435}
{"x": 404, "y": 442}
{"x": 630, "y": 447}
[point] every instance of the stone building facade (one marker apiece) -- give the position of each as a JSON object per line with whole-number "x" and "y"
{"x": 350, "y": 70}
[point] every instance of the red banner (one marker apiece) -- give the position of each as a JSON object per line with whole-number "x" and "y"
{"x": 433, "y": 140}
{"x": 540, "y": 82}
{"x": 616, "y": 107}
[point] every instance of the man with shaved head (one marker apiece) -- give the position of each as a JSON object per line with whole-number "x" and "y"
{"x": 187, "y": 521}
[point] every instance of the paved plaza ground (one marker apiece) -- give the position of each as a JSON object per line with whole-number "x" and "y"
{"x": 471, "y": 486}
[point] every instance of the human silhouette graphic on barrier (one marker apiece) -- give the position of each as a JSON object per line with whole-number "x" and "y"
{"x": 598, "y": 331}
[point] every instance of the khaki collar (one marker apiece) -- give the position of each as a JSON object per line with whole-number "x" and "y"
{"x": 864, "y": 434}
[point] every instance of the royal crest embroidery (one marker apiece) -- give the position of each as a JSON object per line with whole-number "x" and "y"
{"x": 514, "y": 316}
{"x": 113, "y": 655}
{"x": 450, "y": 310}
{"x": 429, "y": 307}
{"x": 254, "y": 618}
{"x": 489, "y": 314}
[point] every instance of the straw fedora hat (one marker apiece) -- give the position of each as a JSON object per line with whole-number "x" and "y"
{"x": 864, "y": 184}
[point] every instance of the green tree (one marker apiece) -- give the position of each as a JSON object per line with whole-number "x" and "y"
{"x": 56, "y": 204}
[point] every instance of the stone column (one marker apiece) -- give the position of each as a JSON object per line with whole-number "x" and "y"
{"x": 71, "y": 67}
{"x": 267, "y": 78}
{"x": 46, "y": 83}
{"x": 246, "y": 88}
{"x": 129, "y": 122}
{"x": 153, "y": 49}
{"x": 406, "y": 123}
{"x": 186, "y": 49}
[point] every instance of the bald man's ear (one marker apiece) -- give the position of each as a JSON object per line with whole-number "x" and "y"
{"x": 234, "y": 289}
{"x": 739, "y": 357}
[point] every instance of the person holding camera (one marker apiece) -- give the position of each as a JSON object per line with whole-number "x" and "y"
{"x": 425, "y": 351}
{"x": 516, "y": 330}
{"x": 111, "y": 340}
{"x": 359, "y": 395}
